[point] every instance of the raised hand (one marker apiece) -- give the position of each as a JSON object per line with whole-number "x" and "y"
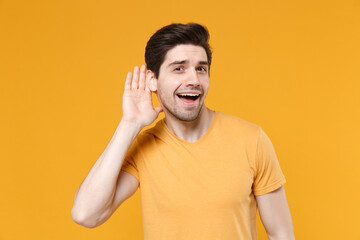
{"x": 137, "y": 101}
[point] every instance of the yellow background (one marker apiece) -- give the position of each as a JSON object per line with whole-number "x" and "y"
{"x": 291, "y": 67}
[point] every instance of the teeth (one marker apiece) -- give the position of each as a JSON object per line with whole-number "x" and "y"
{"x": 189, "y": 95}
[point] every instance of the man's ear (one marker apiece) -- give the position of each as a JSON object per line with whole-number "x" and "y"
{"x": 151, "y": 81}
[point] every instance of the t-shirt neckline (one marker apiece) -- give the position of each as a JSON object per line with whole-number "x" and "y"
{"x": 200, "y": 140}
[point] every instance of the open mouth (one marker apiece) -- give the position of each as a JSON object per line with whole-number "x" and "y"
{"x": 188, "y": 97}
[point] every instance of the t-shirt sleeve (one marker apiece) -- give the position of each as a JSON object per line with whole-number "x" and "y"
{"x": 129, "y": 164}
{"x": 267, "y": 175}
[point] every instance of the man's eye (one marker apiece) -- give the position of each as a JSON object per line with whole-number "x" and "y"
{"x": 202, "y": 69}
{"x": 179, "y": 69}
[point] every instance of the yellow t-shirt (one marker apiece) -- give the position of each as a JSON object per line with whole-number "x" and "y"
{"x": 203, "y": 190}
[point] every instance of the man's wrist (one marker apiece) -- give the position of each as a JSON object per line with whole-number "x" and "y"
{"x": 129, "y": 128}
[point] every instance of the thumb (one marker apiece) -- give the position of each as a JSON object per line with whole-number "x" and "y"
{"x": 158, "y": 109}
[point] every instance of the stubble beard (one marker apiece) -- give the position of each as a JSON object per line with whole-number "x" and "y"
{"x": 186, "y": 116}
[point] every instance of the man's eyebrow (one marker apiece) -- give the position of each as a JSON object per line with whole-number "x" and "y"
{"x": 204, "y": 63}
{"x": 177, "y": 62}
{"x": 186, "y": 61}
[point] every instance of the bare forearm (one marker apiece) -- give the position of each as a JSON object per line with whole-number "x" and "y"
{"x": 288, "y": 236}
{"x": 96, "y": 193}
{"x": 94, "y": 199}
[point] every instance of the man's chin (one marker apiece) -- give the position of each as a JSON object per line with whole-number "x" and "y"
{"x": 188, "y": 116}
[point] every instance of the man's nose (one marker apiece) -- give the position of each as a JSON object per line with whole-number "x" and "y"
{"x": 193, "y": 78}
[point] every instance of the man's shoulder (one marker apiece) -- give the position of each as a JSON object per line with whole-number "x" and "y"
{"x": 154, "y": 131}
{"x": 235, "y": 123}
{"x": 146, "y": 139}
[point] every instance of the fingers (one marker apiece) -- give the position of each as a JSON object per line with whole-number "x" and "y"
{"x": 142, "y": 77}
{"x": 128, "y": 81}
{"x": 147, "y": 82}
{"x": 135, "y": 79}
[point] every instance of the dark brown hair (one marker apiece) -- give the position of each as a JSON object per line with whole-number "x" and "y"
{"x": 172, "y": 35}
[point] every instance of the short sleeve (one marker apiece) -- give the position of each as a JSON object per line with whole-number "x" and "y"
{"x": 268, "y": 175}
{"x": 129, "y": 164}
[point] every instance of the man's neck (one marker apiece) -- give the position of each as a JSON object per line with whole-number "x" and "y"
{"x": 194, "y": 130}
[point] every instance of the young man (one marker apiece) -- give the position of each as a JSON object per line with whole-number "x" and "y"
{"x": 201, "y": 173}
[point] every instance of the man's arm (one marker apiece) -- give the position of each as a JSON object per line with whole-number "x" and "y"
{"x": 106, "y": 186}
{"x": 275, "y": 215}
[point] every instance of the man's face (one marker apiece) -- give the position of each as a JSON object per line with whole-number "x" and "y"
{"x": 183, "y": 82}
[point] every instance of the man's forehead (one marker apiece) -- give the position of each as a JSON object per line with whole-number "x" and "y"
{"x": 188, "y": 53}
